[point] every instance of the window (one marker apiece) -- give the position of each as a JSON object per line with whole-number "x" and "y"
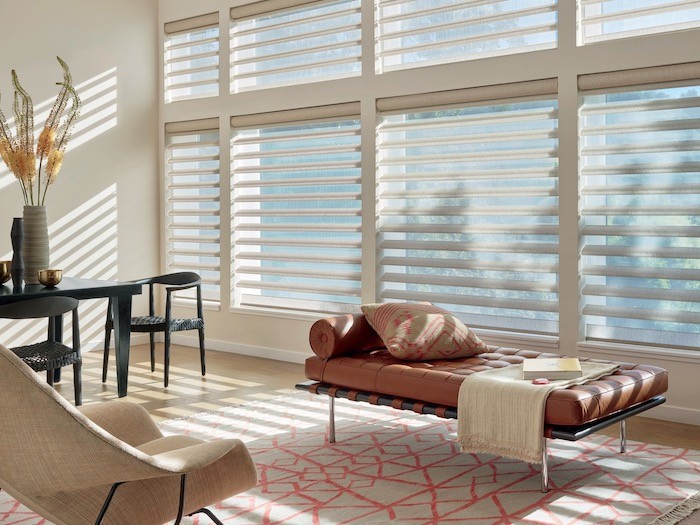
{"x": 468, "y": 203}
{"x": 640, "y": 202}
{"x": 297, "y": 209}
{"x": 307, "y": 43}
{"x": 192, "y": 196}
{"x": 610, "y": 19}
{"x": 413, "y": 33}
{"x": 192, "y": 58}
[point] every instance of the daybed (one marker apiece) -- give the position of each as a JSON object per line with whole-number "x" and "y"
{"x": 351, "y": 362}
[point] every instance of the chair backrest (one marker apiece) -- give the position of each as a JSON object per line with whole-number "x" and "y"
{"x": 38, "y": 308}
{"x": 173, "y": 279}
{"x": 47, "y": 445}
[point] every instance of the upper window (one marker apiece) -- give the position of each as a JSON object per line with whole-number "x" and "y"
{"x": 192, "y": 58}
{"x": 307, "y": 43}
{"x": 412, "y": 33}
{"x": 611, "y": 19}
{"x": 192, "y": 196}
{"x": 468, "y": 204}
{"x": 297, "y": 213}
{"x": 640, "y": 192}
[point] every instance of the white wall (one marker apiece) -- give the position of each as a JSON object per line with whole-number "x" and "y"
{"x": 103, "y": 209}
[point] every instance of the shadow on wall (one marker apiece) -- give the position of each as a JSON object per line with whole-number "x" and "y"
{"x": 83, "y": 243}
{"x": 99, "y": 114}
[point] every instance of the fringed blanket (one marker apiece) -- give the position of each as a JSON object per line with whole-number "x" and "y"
{"x": 500, "y": 413}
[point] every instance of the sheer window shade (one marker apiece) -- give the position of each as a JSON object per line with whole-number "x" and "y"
{"x": 640, "y": 192}
{"x": 602, "y": 20}
{"x": 297, "y": 209}
{"x": 192, "y": 58}
{"x": 272, "y": 45}
{"x": 412, "y": 33}
{"x": 468, "y": 206}
{"x": 192, "y": 194}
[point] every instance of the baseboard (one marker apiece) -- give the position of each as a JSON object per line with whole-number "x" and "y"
{"x": 99, "y": 344}
{"x": 236, "y": 348}
{"x": 666, "y": 412}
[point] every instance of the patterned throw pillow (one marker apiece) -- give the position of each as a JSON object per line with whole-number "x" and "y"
{"x": 417, "y": 332}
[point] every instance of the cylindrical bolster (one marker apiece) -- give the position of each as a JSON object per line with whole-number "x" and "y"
{"x": 343, "y": 335}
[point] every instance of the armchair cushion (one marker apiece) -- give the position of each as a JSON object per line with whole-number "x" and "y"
{"x": 126, "y": 421}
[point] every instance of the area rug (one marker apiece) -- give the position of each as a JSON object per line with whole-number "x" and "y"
{"x": 396, "y": 467}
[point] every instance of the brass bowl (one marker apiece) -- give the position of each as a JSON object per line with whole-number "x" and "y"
{"x": 50, "y": 278}
{"x": 5, "y": 271}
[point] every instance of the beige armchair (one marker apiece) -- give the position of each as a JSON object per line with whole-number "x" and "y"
{"x": 107, "y": 462}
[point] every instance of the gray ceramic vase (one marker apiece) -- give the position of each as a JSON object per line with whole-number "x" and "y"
{"x": 35, "y": 250}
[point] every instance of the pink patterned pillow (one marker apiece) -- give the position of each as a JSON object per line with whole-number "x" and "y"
{"x": 417, "y": 332}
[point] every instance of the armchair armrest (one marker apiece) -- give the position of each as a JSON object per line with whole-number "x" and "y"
{"x": 171, "y": 289}
{"x": 126, "y": 421}
{"x": 194, "y": 457}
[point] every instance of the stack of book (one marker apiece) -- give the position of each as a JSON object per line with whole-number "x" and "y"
{"x": 548, "y": 368}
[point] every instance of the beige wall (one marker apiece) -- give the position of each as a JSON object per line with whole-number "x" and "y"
{"x": 103, "y": 209}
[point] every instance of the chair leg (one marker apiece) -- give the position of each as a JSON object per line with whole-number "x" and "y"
{"x": 331, "y": 419}
{"x": 152, "y": 337}
{"x": 545, "y": 471}
{"x": 105, "y": 358}
{"x": 201, "y": 351}
{"x": 623, "y": 436}
{"x": 78, "y": 384}
{"x": 49, "y": 377}
{"x": 166, "y": 360}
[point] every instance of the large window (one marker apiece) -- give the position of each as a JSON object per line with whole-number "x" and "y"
{"x": 312, "y": 41}
{"x": 297, "y": 209}
{"x": 192, "y": 197}
{"x": 412, "y": 33}
{"x": 192, "y": 58}
{"x": 640, "y": 191}
{"x": 602, "y": 20}
{"x": 468, "y": 204}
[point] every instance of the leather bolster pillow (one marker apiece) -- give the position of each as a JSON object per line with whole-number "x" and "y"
{"x": 343, "y": 335}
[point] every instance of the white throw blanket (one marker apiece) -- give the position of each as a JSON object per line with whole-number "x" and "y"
{"x": 500, "y": 413}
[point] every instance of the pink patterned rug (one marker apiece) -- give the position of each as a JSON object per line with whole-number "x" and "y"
{"x": 395, "y": 467}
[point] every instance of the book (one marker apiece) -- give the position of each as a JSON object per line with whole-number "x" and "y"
{"x": 552, "y": 368}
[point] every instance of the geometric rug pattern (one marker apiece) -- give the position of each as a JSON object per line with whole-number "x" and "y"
{"x": 394, "y": 467}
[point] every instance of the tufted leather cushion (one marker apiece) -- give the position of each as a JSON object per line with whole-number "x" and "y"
{"x": 439, "y": 381}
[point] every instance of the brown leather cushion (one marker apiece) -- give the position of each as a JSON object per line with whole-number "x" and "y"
{"x": 439, "y": 381}
{"x": 343, "y": 335}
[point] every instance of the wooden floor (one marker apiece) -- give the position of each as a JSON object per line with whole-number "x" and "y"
{"x": 234, "y": 379}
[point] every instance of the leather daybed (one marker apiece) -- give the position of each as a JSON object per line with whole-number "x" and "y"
{"x": 351, "y": 362}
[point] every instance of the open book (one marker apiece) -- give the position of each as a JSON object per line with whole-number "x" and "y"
{"x": 552, "y": 368}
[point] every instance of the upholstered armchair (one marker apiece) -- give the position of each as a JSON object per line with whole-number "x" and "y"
{"x": 106, "y": 462}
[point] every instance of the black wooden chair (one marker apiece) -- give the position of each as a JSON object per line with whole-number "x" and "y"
{"x": 152, "y": 323}
{"x": 49, "y": 355}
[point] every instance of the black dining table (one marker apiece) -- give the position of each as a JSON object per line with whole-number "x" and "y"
{"x": 121, "y": 294}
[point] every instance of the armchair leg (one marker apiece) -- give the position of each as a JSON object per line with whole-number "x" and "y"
{"x": 181, "y": 504}
{"x": 201, "y": 351}
{"x": 105, "y": 358}
{"x": 166, "y": 359}
{"x": 208, "y": 513}
{"x": 152, "y": 337}
{"x": 105, "y": 505}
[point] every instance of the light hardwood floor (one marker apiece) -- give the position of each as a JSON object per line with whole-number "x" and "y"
{"x": 235, "y": 379}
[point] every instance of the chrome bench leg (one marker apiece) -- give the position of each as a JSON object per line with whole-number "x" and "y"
{"x": 331, "y": 419}
{"x": 623, "y": 437}
{"x": 545, "y": 473}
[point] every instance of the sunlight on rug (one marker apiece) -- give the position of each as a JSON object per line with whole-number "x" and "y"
{"x": 396, "y": 467}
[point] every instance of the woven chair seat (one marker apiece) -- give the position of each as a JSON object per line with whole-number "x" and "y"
{"x": 157, "y": 324}
{"x": 48, "y": 355}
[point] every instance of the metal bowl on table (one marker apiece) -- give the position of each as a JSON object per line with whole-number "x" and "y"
{"x": 50, "y": 278}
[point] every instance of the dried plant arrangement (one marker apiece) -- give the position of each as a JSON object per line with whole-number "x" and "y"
{"x": 18, "y": 151}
